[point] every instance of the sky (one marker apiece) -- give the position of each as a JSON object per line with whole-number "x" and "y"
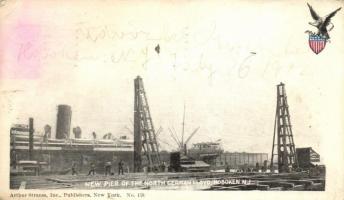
{"x": 221, "y": 59}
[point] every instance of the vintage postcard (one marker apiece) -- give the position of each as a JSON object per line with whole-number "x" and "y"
{"x": 117, "y": 99}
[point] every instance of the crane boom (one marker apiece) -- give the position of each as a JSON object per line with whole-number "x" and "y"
{"x": 191, "y": 135}
{"x": 183, "y": 127}
{"x": 173, "y": 137}
{"x": 158, "y": 131}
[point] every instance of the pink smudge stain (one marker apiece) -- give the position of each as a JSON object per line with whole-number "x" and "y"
{"x": 23, "y": 46}
{"x": 27, "y": 51}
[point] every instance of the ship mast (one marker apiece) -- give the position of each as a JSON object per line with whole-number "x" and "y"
{"x": 183, "y": 128}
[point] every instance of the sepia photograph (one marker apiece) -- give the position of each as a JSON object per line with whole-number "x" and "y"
{"x": 118, "y": 99}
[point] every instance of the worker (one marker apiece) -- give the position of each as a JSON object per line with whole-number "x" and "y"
{"x": 92, "y": 170}
{"x": 45, "y": 137}
{"x": 107, "y": 168}
{"x": 163, "y": 167}
{"x": 257, "y": 167}
{"x": 120, "y": 167}
{"x": 74, "y": 172}
{"x": 38, "y": 168}
{"x": 227, "y": 168}
{"x": 155, "y": 169}
{"x": 94, "y": 137}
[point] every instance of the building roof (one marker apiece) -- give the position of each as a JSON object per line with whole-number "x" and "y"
{"x": 198, "y": 163}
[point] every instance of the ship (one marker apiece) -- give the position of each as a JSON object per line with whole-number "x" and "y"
{"x": 56, "y": 156}
{"x": 206, "y": 151}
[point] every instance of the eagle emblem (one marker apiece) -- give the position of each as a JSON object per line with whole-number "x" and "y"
{"x": 317, "y": 40}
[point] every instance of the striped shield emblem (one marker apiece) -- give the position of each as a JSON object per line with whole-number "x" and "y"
{"x": 317, "y": 43}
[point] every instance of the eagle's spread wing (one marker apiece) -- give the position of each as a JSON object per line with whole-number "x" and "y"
{"x": 329, "y": 16}
{"x": 313, "y": 13}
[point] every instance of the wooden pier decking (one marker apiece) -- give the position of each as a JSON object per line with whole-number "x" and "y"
{"x": 257, "y": 181}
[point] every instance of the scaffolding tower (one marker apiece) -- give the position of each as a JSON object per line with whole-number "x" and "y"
{"x": 144, "y": 133}
{"x": 283, "y": 148}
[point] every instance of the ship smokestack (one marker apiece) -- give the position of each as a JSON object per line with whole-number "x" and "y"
{"x": 63, "y": 124}
{"x": 77, "y": 132}
{"x": 31, "y": 130}
{"x": 47, "y": 131}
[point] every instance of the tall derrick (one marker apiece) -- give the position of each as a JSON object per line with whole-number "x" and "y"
{"x": 283, "y": 148}
{"x": 144, "y": 133}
